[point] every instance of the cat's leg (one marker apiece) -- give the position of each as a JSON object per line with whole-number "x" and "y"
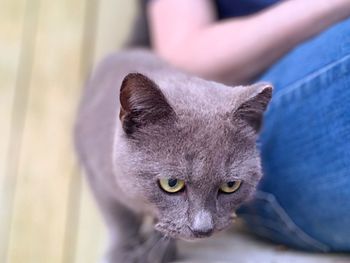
{"x": 154, "y": 249}
{"x": 126, "y": 244}
{"x": 122, "y": 225}
{"x": 158, "y": 249}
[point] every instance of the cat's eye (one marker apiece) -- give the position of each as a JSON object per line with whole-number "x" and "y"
{"x": 171, "y": 185}
{"x": 230, "y": 187}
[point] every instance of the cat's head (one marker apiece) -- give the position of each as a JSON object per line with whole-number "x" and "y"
{"x": 193, "y": 165}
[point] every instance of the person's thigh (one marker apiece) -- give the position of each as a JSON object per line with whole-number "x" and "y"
{"x": 303, "y": 199}
{"x": 310, "y": 57}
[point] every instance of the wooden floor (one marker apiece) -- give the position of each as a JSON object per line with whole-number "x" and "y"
{"x": 46, "y": 51}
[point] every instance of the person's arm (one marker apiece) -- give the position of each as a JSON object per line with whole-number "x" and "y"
{"x": 186, "y": 33}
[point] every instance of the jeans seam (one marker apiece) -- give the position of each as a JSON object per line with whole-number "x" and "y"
{"x": 312, "y": 76}
{"x": 289, "y": 222}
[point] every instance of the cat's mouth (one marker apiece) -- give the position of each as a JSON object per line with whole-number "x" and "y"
{"x": 182, "y": 232}
{"x": 201, "y": 234}
{"x": 186, "y": 233}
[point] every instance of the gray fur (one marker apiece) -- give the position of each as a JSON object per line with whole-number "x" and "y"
{"x": 209, "y": 139}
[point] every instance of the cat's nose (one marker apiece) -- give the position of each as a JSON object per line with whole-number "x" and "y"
{"x": 202, "y": 224}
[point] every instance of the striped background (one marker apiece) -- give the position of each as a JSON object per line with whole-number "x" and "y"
{"x": 47, "y": 48}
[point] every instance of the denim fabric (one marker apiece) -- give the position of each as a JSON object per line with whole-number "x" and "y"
{"x": 303, "y": 199}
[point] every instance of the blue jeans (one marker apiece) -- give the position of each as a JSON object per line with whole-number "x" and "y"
{"x": 303, "y": 199}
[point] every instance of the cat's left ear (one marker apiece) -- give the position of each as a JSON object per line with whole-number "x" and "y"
{"x": 257, "y": 98}
{"x": 142, "y": 103}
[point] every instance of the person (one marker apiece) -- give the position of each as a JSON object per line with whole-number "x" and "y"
{"x": 303, "y": 48}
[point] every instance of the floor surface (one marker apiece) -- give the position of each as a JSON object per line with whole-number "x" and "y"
{"x": 236, "y": 246}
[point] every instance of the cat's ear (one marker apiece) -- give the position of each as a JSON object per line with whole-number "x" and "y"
{"x": 142, "y": 103}
{"x": 254, "y": 105}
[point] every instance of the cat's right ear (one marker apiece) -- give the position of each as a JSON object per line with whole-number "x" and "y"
{"x": 257, "y": 98}
{"x": 142, "y": 103}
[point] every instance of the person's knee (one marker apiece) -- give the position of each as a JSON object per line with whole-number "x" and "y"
{"x": 301, "y": 219}
{"x": 319, "y": 208}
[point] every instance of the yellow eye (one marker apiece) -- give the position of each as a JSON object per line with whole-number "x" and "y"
{"x": 171, "y": 185}
{"x": 230, "y": 187}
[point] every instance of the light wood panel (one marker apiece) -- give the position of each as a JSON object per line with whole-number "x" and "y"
{"x": 91, "y": 231}
{"x": 48, "y": 214}
{"x": 78, "y": 191}
{"x": 37, "y": 232}
{"x": 16, "y": 27}
{"x": 114, "y": 20}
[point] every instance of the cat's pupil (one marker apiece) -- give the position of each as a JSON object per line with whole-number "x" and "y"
{"x": 172, "y": 182}
{"x": 230, "y": 184}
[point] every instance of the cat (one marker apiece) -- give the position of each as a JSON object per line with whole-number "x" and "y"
{"x": 156, "y": 141}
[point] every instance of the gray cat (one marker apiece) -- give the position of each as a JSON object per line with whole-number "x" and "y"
{"x": 155, "y": 141}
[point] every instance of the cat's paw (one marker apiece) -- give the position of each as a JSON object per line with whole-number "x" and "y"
{"x": 156, "y": 249}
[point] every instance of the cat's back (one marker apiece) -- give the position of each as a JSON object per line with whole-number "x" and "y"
{"x": 98, "y": 110}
